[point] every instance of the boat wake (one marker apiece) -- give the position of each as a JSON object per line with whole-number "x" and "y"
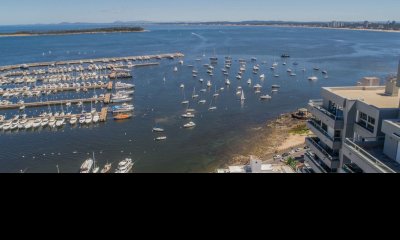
{"x": 199, "y": 36}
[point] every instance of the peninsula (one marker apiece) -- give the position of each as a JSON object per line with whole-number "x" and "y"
{"x": 74, "y": 31}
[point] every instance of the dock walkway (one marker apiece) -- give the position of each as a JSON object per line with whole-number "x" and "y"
{"x": 98, "y": 60}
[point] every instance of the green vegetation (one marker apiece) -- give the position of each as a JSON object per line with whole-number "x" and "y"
{"x": 78, "y": 31}
{"x": 300, "y": 130}
{"x": 292, "y": 163}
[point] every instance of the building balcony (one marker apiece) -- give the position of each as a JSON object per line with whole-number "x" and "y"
{"x": 314, "y": 162}
{"x": 333, "y": 143}
{"x": 316, "y": 108}
{"x": 330, "y": 158}
{"x": 369, "y": 157}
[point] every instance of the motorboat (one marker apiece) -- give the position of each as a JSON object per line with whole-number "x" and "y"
{"x": 159, "y": 130}
{"x": 122, "y": 116}
{"x": 125, "y": 166}
{"x": 73, "y": 120}
{"x": 313, "y": 78}
{"x": 162, "y": 138}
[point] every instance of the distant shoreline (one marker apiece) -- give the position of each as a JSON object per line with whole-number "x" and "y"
{"x": 74, "y": 32}
{"x": 293, "y": 26}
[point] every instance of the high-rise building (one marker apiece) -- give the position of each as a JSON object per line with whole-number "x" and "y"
{"x": 356, "y": 129}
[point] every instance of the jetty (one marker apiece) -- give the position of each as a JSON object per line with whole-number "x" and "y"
{"x": 59, "y": 89}
{"x": 98, "y": 60}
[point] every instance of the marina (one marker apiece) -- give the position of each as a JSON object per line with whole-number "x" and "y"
{"x": 221, "y": 121}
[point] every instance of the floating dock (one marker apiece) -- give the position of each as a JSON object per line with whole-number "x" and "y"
{"x": 98, "y": 60}
{"x": 44, "y": 104}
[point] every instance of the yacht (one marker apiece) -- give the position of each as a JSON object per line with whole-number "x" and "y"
{"x": 88, "y": 118}
{"x": 87, "y": 166}
{"x": 313, "y": 78}
{"x": 175, "y": 69}
{"x": 249, "y": 81}
{"x": 107, "y": 168}
{"x": 265, "y": 97}
{"x": 262, "y": 77}
{"x": 202, "y": 102}
{"x": 82, "y": 119}
{"x": 60, "y": 122}
{"x": 189, "y": 125}
{"x": 125, "y": 166}
{"x": 209, "y": 84}
{"x": 188, "y": 115}
{"x": 227, "y": 82}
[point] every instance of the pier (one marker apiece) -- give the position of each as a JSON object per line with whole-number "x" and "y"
{"x": 103, "y": 114}
{"x": 44, "y": 104}
{"x": 98, "y": 60}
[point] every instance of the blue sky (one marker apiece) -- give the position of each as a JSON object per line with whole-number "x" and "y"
{"x": 55, "y": 11}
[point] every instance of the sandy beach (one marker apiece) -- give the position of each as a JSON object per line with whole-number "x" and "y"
{"x": 276, "y": 137}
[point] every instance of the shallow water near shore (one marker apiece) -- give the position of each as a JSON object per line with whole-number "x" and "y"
{"x": 347, "y": 55}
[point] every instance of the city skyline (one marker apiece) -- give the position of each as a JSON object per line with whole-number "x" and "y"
{"x": 104, "y": 11}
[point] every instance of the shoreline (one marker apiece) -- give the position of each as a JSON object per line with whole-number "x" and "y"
{"x": 64, "y": 34}
{"x": 290, "y": 26}
{"x": 277, "y": 136}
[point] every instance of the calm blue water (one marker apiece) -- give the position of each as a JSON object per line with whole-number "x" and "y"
{"x": 347, "y": 55}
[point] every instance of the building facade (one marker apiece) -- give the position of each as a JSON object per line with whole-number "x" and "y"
{"x": 356, "y": 129}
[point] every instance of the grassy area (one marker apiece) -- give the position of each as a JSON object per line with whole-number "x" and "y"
{"x": 300, "y": 130}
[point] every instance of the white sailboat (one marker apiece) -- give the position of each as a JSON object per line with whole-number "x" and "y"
{"x": 96, "y": 168}
{"x": 242, "y": 97}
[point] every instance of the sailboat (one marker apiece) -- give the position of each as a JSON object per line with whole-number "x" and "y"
{"x": 184, "y": 102}
{"x": 216, "y": 94}
{"x": 194, "y": 95}
{"x": 242, "y": 98}
{"x": 212, "y": 108}
{"x": 96, "y": 168}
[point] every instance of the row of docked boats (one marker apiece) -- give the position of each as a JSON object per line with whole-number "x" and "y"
{"x": 47, "y": 89}
{"x": 48, "y": 120}
{"x": 90, "y": 166}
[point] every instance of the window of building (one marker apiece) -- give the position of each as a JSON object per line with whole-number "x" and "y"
{"x": 363, "y": 116}
{"x": 367, "y": 122}
{"x": 338, "y": 134}
{"x": 371, "y": 120}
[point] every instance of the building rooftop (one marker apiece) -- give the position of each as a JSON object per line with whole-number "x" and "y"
{"x": 374, "y": 96}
